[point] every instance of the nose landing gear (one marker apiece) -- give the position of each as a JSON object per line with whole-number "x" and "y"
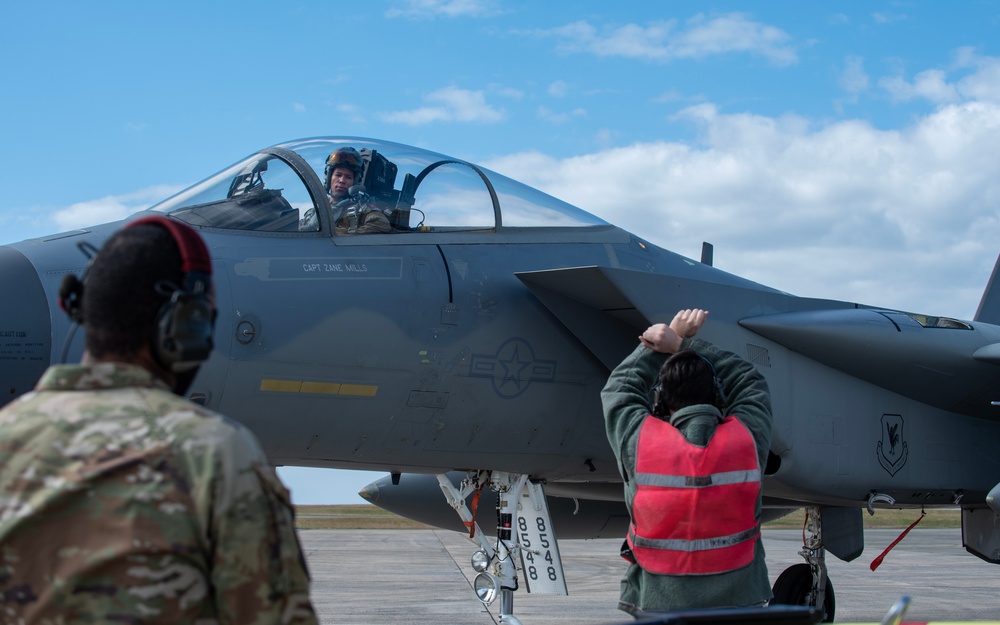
{"x": 524, "y": 529}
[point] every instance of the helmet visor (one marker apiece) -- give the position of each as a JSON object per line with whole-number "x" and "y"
{"x": 344, "y": 157}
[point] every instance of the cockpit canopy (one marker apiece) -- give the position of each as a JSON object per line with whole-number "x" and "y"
{"x": 281, "y": 189}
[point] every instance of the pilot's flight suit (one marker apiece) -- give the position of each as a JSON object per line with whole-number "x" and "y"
{"x": 626, "y": 407}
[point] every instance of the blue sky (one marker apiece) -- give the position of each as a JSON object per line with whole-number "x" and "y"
{"x": 848, "y": 150}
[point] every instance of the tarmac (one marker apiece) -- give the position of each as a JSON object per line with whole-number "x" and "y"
{"x": 376, "y": 577}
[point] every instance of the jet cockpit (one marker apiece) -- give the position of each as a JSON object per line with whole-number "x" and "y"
{"x": 279, "y": 189}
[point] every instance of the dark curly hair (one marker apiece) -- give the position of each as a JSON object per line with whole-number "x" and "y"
{"x": 686, "y": 379}
{"x": 120, "y": 298}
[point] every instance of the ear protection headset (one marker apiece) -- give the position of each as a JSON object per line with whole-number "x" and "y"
{"x": 716, "y": 382}
{"x": 720, "y": 394}
{"x": 182, "y": 332}
{"x": 71, "y": 297}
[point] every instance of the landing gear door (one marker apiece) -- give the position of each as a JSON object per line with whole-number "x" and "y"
{"x": 540, "y": 561}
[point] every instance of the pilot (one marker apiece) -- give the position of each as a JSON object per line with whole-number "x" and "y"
{"x": 343, "y": 170}
{"x": 694, "y": 541}
{"x": 120, "y": 500}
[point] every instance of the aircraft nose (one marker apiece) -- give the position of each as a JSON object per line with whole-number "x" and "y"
{"x": 25, "y": 326}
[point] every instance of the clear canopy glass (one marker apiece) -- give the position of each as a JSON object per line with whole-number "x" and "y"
{"x": 284, "y": 189}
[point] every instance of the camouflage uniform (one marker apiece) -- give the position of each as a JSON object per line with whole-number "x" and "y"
{"x": 122, "y": 502}
{"x": 370, "y": 221}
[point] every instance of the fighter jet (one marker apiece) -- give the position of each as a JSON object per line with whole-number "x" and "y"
{"x": 463, "y": 352}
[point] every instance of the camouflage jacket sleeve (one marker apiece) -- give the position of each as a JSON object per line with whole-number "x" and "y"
{"x": 374, "y": 222}
{"x": 258, "y": 571}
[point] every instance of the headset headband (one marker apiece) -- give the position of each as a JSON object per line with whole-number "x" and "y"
{"x": 182, "y": 335}
{"x": 194, "y": 253}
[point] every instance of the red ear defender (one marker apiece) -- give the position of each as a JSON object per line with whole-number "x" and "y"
{"x": 182, "y": 334}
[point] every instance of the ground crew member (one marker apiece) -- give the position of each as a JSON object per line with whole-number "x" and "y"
{"x": 119, "y": 500}
{"x": 691, "y": 464}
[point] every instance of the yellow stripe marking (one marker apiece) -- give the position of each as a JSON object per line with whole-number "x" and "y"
{"x": 362, "y": 390}
{"x": 323, "y": 388}
{"x": 317, "y": 388}
{"x": 281, "y": 386}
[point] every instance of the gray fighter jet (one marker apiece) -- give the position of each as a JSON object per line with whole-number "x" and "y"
{"x": 463, "y": 353}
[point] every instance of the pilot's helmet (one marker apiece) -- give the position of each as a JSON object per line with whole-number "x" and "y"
{"x": 343, "y": 157}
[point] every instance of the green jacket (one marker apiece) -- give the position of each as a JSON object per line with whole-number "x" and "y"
{"x": 626, "y": 399}
{"x": 122, "y": 502}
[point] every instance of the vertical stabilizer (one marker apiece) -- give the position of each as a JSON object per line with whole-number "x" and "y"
{"x": 989, "y": 306}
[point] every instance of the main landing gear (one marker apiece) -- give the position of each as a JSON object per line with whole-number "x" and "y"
{"x": 808, "y": 583}
{"x": 525, "y": 540}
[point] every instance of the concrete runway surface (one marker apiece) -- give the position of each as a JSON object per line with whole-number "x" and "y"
{"x": 385, "y": 577}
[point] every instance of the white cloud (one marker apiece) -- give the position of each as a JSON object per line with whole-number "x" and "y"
{"x": 970, "y": 77}
{"x": 350, "y": 113}
{"x": 664, "y": 41}
{"x": 635, "y": 41}
{"x": 671, "y": 95}
{"x": 449, "y": 104}
{"x": 885, "y": 17}
{"x": 298, "y": 107}
{"x": 426, "y": 9}
{"x": 854, "y": 79}
{"x": 904, "y": 219}
{"x": 559, "y": 118}
{"x": 735, "y": 33}
{"x": 558, "y": 89}
{"x": 606, "y": 136}
{"x": 984, "y": 83}
{"x": 506, "y": 92}
{"x": 109, "y": 208}
{"x": 931, "y": 85}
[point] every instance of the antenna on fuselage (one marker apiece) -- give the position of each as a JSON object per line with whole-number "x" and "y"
{"x": 707, "y": 253}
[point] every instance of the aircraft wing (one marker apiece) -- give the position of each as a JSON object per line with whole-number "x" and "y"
{"x": 608, "y": 307}
{"x": 945, "y": 363}
{"x": 592, "y": 305}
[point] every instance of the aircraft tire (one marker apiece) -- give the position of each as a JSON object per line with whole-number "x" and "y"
{"x": 793, "y": 585}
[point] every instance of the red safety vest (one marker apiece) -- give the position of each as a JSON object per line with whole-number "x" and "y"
{"x": 694, "y": 511}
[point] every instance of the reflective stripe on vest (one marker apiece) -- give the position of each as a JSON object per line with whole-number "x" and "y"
{"x": 694, "y": 511}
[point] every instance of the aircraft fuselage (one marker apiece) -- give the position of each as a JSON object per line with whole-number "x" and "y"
{"x": 432, "y": 349}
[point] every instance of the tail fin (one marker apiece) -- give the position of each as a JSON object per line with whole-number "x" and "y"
{"x": 989, "y": 306}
